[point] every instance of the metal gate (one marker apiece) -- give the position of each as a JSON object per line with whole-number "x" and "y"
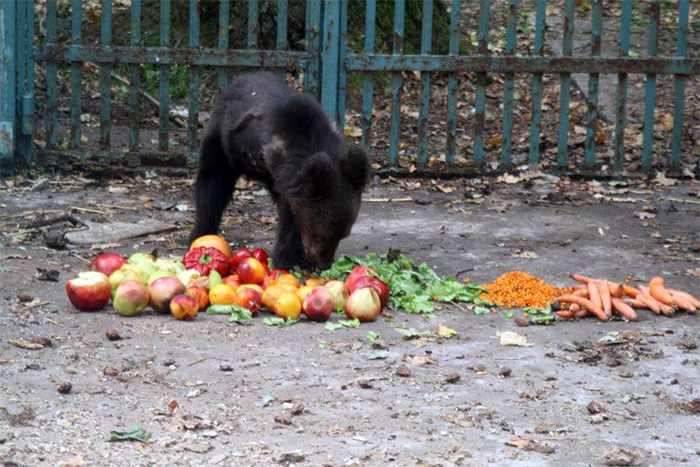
{"x": 326, "y": 62}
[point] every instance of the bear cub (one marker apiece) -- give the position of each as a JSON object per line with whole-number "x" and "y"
{"x": 268, "y": 132}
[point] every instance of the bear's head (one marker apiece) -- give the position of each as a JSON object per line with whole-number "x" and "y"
{"x": 324, "y": 192}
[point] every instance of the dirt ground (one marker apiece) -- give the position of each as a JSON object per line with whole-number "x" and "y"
{"x": 210, "y": 391}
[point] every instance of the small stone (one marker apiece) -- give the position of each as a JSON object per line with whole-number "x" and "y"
{"x": 113, "y": 335}
{"x": 364, "y": 384}
{"x": 479, "y": 368}
{"x": 612, "y": 362}
{"x": 403, "y": 372}
{"x": 169, "y": 362}
{"x": 522, "y": 322}
{"x": 65, "y": 387}
{"x": 594, "y": 407}
{"x": 34, "y": 367}
{"x": 24, "y": 297}
{"x": 504, "y": 372}
{"x": 452, "y": 378}
{"x": 225, "y": 367}
{"x": 110, "y": 371}
{"x": 285, "y": 418}
{"x": 297, "y": 408}
{"x": 291, "y": 458}
{"x": 625, "y": 374}
{"x": 42, "y": 340}
{"x": 597, "y": 418}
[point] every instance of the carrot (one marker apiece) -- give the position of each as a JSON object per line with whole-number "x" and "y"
{"x": 658, "y": 290}
{"x": 684, "y": 304}
{"x": 587, "y": 304}
{"x": 580, "y": 293}
{"x": 693, "y": 301}
{"x": 616, "y": 289}
{"x": 579, "y": 287}
{"x": 633, "y": 302}
{"x": 604, "y": 292}
{"x": 582, "y": 279}
{"x": 649, "y": 302}
{"x": 663, "y": 308}
{"x": 624, "y": 309}
{"x": 574, "y": 308}
{"x": 582, "y": 313}
{"x": 629, "y": 290}
{"x": 594, "y": 294}
{"x": 565, "y": 314}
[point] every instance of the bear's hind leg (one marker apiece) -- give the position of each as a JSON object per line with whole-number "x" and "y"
{"x": 214, "y": 186}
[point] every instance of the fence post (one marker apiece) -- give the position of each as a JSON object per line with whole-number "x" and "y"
{"x": 330, "y": 57}
{"x": 7, "y": 82}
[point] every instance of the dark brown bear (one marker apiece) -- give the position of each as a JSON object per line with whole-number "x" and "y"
{"x": 262, "y": 129}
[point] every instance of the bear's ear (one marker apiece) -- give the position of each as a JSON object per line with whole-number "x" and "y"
{"x": 314, "y": 179}
{"x": 355, "y": 167}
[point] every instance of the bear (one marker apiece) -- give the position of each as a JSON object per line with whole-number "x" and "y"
{"x": 268, "y": 132}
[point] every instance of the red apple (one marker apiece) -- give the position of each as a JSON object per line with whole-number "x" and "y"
{"x": 260, "y": 255}
{"x": 131, "y": 297}
{"x": 339, "y": 292}
{"x": 233, "y": 280}
{"x": 356, "y": 274}
{"x": 380, "y": 287}
{"x": 237, "y": 258}
{"x": 251, "y": 271}
{"x": 200, "y": 294}
{"x": 107, "y": 263}
{"x": 363, "y": 304}
{"x": 318, "y": 304}
{"x": 90, "y": 291}
{"x": 184, "y": 307}
{"x": 248, "y": 298}
{"x": 163, "y": 290}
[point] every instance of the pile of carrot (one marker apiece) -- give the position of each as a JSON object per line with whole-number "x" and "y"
{"x": 602, "y": 298}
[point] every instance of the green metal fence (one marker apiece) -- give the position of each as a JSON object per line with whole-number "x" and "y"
{"x": 326, "y": 63}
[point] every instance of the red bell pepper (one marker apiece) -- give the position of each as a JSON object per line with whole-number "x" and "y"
{"x": 204, "y": 259}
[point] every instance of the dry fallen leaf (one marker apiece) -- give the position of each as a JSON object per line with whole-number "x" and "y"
{"x": 510, "y": 338}
{"x": 25, "y": 344}
{"x": 509, "y": 179}
{"x": 418, "y": 360}
{"x": 76, "y": 461}
{"x": 644, "y": 215}
{"x": 445, "y": 332}
{"x": 445, "y": 189}
{"x": 662, "y": 180}
{"x": 667, "y": 123}
{"x": 526, "y": 255}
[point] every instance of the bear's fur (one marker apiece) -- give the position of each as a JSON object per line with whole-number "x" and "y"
{"x": 262, "y": 129}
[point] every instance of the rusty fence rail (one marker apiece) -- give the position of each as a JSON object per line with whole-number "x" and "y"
{"x": 326, "y": 63}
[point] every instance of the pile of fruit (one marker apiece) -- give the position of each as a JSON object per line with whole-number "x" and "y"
{"x": 211, "y": 277}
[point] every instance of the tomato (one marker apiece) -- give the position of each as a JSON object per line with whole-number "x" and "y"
{"x": 213, "y": 241}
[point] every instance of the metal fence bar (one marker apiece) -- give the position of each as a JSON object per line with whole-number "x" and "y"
{"x": 621, "y": 99}
{"x": 330, "y": 50}
{"x": 565, "y": 86}
{"x": 282, "y": 41}
{"x": 537, "y": 85}
{"x": 593, "y": 85}
{"x": 452, "y": 86}
{"x": 164, "y": 109}
{"x": 650, "y": 89}
{"x": 679, "y": 85}
{"x": 342, "y": 76}
{"x": 76, "y": 76}
{"x": 135, "y": 78}
{"x": 51, "y": 75}
{"x": 480, "y": 104}
{"x": 313, "y": 47}
{"x": 509, "y": 85}
{"x": 25, "y": 42}
{"x": 370, "y": 31}
{"x": 396, "y": 82}
{"x": 193, "y": 103}
{"x": 424, "y": 108}
{"x": 105, "y": 76}
{"x": 253, "y": 23}
{"x": 8, "y": 90}
{"x": 223, "y": 40}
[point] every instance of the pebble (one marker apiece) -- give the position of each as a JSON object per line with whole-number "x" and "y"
{"x": 594, "y": 407}
{"x": 113, "y": 335}
{"x": 285, "y": 418}
{"x": 226, "y": 367}
{"x": 452, "y": 378}
{"x": 403, "y": 372}
{"x": 504, "y": 372}
{"x": 110, "y": 371}
{"x": 364, "y": 384}
{"x": 65, "y": 387}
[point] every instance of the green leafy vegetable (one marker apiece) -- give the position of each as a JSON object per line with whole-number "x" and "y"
{"x": 134, "y": 434}
{"x": 414, "y": 288}
{"x": 322, "y": 344}
{"x": 547, "y": 310}
{"x": 480, "y": 310}
{"x": 507, "y": 314}
{"x": 267, "y": 398}
{"x": 332, "y": 326}
{"x": 372, "y": 337}
{"x": 277, "y": 321}
{"x": 376, "y": 356}
{"x": 412, "y": 332}
{"x": 542, "y": 319}
{"x": 238, "y": 313}
{"x": 349, "y": 323}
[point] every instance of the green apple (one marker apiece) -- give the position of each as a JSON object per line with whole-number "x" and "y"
{"x": 188, "y": 276}
{"x": 157, "y": 274}
{"x": 138, "y": 258}
{"x": 125, "y": 273}
{"x": 214, "y": 279}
